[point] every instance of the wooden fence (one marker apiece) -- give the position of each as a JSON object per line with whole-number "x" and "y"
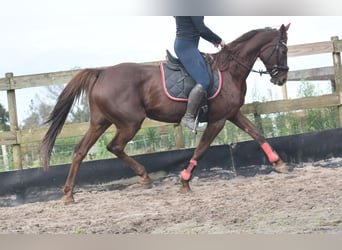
{"x": 17, "y": 137}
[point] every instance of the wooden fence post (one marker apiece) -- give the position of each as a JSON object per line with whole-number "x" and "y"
{"x": 13, "y": 118}
{"x": 338, "y": 73}
{"x": 284, "y": 92}
{"x": 179, "y": 137}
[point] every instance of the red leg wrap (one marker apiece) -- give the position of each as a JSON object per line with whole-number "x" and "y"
{"x": 186, "y": 173}
{"x": 271, "y": 155}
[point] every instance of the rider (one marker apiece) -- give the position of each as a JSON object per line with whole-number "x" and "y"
{"x": 189, "y": 29}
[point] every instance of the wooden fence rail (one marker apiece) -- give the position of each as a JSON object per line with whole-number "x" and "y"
{"x": 16, "y": 137}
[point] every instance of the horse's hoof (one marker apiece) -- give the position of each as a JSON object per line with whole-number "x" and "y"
{"x": 68, "y": 199}
{"x": 147, "y": 185}
{"x": 146, "y": 182}
{"x": 184, "y": 190}
{"x": 185, "y": 187}
{"x": 281, "y": 167}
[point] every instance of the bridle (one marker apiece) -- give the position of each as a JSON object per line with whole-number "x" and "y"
{"x": 273, "y": 70}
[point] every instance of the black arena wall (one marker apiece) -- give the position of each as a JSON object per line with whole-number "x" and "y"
{"x": 292, "y": 149}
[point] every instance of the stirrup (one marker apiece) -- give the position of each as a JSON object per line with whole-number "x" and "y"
{"x": 203, "y": 110}
{"x": 195, "y": 127}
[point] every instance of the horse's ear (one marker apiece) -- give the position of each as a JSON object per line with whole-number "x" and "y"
{"x": 283, "y": 32}
{"x": 287, "y": 27}
{"x": 284, "y": 28}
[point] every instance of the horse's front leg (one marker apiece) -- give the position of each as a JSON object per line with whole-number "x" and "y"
{"x": 207, "y": 138}
{"x": 243, "y": 123}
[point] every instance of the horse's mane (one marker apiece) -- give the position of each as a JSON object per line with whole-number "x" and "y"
{"x": 243, "y": 38}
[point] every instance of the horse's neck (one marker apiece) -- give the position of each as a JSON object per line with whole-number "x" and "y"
{"x": 246, "y": 54}
{"x": 255, "y": 42}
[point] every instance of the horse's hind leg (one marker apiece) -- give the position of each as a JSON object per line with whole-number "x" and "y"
{"x": 117, "y": 146}
{"x": 80, "y": 152}
{"x": 243, "y": 123}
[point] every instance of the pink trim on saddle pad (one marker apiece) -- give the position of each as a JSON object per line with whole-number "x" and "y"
{"x": 183, "y": 99}
{"x": 219, "y": 87}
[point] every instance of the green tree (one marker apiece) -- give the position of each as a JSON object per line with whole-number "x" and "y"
{"x": 38, "y": 114}
{"x": 4, "y": 119}
{"x": 80, "y": 111}
{"x": 152, "y": 137}
{"x": 40, "y": 108}
{"x": 306, "y": 89}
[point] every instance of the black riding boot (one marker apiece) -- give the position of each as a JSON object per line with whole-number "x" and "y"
{"x": 196, "y": 96}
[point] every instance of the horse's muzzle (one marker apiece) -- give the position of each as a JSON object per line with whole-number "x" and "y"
{"x": 278, "y": 74}
{"x": 279, "y": 80}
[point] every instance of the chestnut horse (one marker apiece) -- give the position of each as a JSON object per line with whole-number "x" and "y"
{"x": 127, "y": 93}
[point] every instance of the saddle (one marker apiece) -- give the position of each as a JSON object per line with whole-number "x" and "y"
{"x": 177, "y": 83}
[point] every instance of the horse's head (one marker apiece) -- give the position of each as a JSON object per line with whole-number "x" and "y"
{"x": 274, "y": 56}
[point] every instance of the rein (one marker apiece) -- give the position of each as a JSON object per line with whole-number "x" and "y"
{"x": 261, "y": 72}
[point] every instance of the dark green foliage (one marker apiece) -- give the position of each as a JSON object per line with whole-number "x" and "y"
{"x": 4, "y": 119}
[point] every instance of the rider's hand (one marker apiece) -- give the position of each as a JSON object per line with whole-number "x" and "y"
{"x": 222, "y": 44}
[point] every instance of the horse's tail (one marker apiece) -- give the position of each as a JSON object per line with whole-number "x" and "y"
{"x": 81, "y": 82}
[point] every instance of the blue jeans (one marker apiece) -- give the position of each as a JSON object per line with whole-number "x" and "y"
{"x": 188, "y": 53}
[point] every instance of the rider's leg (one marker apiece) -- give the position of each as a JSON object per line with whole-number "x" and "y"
{"x": 194, "y": 63}
{"x": 196, "y": 96}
